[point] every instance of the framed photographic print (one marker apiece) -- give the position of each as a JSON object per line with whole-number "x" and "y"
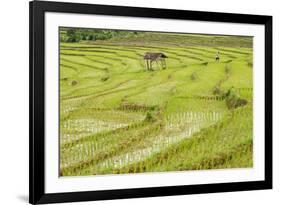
{"x": 140, "y": 102}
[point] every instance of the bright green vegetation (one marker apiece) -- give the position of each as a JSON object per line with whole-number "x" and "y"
{"x": 118, "y": 117}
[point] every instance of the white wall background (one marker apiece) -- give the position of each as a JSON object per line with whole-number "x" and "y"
{"x": 14, "y": 100}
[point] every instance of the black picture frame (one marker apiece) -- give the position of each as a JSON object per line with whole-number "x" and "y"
{"x": 37, "y": 10}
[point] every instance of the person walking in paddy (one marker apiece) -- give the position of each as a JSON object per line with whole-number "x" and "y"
{"x": 217, "y": 56}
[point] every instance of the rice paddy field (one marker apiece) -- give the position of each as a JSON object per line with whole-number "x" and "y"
{"x": 116, "y": 117}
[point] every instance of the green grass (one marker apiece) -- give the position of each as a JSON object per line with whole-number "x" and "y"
{"x": 117, "y": 117}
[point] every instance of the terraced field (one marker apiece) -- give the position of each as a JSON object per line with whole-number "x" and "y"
{"x": 118, "y": 117}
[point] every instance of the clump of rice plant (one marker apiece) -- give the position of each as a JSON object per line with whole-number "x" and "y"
{"x": 149, "y": 117}
{"x": 250, "y": 63}
{"x": 233, "y": 100}
{"x": 194, "y": 76}
{"x": 105, "y": 78}
{"x": 227, "y": 69}
{"x": 173, "y": 90}
{"x": 74, "y": 82}
{"x": 205, "y": 63}
{"x": 217, "y": 90}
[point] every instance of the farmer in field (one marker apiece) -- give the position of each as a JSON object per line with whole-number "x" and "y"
{"x": 217, "y": 56}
